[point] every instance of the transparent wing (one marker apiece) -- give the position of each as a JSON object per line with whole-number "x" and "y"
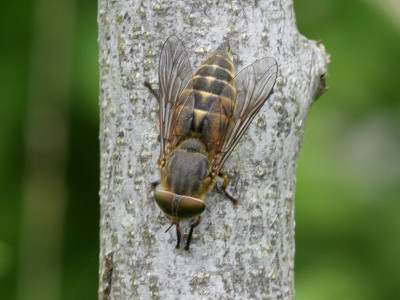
{"x": 253, "y": 85}
{"x": 174, "y": 76}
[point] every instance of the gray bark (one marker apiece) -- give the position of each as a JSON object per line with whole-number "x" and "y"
{"x": 238, "y": 252}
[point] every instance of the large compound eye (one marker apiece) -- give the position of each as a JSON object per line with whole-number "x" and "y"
{"x": 177, "y": 206}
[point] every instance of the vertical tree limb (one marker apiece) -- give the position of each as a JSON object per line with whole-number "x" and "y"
{"x": 242, "y": 252}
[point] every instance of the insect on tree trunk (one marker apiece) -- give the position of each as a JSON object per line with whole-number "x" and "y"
{"x": 237, "y": 252}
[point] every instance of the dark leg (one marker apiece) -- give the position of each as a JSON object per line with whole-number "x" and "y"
{"x": 178, "y": 236}
{"x": 147, "y": 84}
{"x": 189, "y": 239}
{"x": 154, "y": 184}
{"x": 224, "y": 185}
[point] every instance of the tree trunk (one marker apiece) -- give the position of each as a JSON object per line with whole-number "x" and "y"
{"x": 238, "y": 252}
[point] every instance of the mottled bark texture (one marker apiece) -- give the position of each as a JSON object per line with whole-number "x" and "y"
{"x": 238, "y": 252}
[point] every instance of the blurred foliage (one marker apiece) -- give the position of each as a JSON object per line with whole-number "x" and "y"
{"x": 80, "y": 240}
{"x": 347, "y": 199}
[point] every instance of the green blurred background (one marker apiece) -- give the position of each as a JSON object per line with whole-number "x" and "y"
{"x": 348, "y": 179}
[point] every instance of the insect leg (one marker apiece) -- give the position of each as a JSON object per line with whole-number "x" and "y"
{"x": 154, "y": 184}
{"x": 189, "y": 239}
{"x": 148, "y": 85}
{"x": 224, "y": 185}
{"x": 178, "y": 236}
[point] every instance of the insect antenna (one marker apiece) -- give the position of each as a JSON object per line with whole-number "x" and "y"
{"x": 172, "y": 224}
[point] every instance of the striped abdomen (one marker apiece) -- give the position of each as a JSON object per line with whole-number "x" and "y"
{"x": 213, "y": 88}
{"x": 208, "y": 102}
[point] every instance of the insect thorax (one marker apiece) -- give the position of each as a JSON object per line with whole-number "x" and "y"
{"x": 187, "y": 169}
